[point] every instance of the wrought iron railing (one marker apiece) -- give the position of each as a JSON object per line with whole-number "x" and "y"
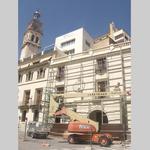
{"x": 60, "y": 76}
{"x": 100, "y": 69}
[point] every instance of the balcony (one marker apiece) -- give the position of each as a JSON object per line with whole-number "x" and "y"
{"x": 36, "y": 105}
{"x": 60, "y": 76}
{"x": 41, "y": 76}
{"x": 100, "y": 69}
{"x": 23, "y": 105}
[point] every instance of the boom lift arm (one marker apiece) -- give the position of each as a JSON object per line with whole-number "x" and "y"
{"x": 73, "y": 115}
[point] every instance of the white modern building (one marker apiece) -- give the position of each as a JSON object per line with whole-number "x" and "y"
{"x": 74, "y": 42}
{"x": 77, "y": 63}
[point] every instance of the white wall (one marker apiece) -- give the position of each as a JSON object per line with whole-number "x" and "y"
{"x": 87, "y": 38}
{"x": 80, "y": 35}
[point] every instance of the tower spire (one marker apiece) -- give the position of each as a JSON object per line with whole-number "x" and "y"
{"x": 36, "y": 14}
{"x": 32, "y": 36}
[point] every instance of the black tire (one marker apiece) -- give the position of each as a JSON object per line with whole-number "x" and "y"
{"x": 33, "y": 135}
{"x": 71, "y": 139}
{"x": 104, "y": 141}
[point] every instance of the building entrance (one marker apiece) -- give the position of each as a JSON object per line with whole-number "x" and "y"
{"x": 98, "y": 116}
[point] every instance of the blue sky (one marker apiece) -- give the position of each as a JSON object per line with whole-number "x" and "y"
{"x": 62, "y": 16}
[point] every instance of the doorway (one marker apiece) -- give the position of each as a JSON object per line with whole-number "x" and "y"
{"x": 99, "y": 116}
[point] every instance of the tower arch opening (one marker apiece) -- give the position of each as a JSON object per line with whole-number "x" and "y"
{"x": 32, "y": 37}
{"x": 37, "y": 39}
{"x": 99, "y": 116}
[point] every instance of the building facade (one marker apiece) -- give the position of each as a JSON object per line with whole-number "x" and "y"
{"x": 77, "y": 63}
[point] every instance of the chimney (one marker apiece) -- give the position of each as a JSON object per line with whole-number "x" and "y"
{"x": 112, "y": 28}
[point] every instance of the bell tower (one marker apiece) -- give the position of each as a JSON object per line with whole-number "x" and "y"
{"x": 32, "y": 37}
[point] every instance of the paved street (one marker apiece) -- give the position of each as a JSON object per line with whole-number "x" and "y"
{"x": 58, "y": 143}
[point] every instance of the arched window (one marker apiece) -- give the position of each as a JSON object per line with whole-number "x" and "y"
{"x": 37, "y": 40}
{"x": 41, "y": 73}
{"x": 32, "y": 37}
{"x": 29, "y": 76}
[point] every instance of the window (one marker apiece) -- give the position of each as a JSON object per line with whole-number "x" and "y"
{"x": 120, "y": 41}
{"x": 60, "y": 73}
{"x": 87, "y": 43}
{"x": 102, "y": 87}
{"x": 20, "y": 78}
{"x": 32, "y": 37}
{"x": 40, "y": 73}
{"x": 37, "y": 40}
{"x": 36, "y": 115}
{"x": 118, "y": 36}
{"x": 60, "y": 99}
{"x": 38, "y": 96}
{"x": 126, "y": 38}
{"x": 60, "y": 90}
{"x": 67, "y": 43}
{"x": 23, "y": 118}
{"x": 26, "y": 97}
{"x": 101, "y": 66}
{"x": 29, "y": 76}
{"x": 70, "y": 52}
